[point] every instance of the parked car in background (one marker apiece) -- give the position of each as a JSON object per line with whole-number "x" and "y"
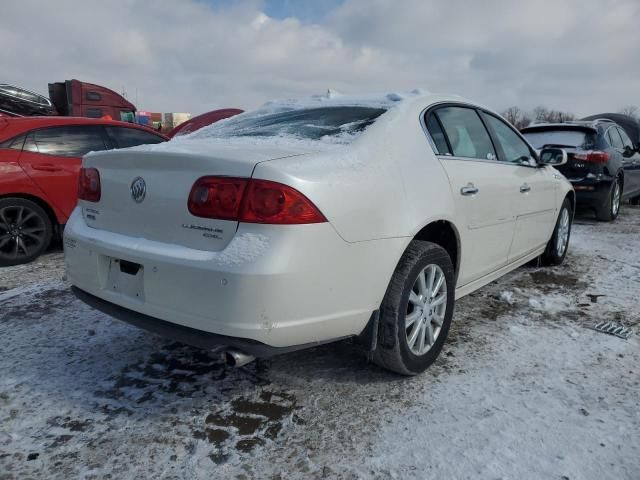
{"x": 629, "y": 124}
{"x": 40, "y": 160}
{"x": 16, "y": 101}
{"x": 208, "y": 118}
{"x": 603, "y": 162}
{"x": 303, "y": 223}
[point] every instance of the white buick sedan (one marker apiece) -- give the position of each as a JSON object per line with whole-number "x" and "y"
{"x": 306, "y": 222}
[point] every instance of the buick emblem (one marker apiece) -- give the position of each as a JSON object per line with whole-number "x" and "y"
{"x": 138, "y": 189}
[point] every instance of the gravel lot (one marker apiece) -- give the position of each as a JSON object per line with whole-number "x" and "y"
{"x": 522, "y": 389}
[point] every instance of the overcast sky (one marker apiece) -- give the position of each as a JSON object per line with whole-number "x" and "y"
{"x": 195, "y": 55}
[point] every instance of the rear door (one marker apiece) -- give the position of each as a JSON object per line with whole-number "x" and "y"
{"x": 52, "y": 157}
{"x": 535, "y": 201}
{"x": 631, "y": 162}
{"x": 483, "y": 188}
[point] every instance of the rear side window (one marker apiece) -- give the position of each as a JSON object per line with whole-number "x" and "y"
{"x": 515, "y": 149}
{"x": 72, "y": 141}
{"x": 131, "y": 137}
{"x": 437, "y": 135}
{"x": 466, "y": 133}
{"x": 564, "y": 138}
{"x": 614, "y": 138}
{"x": 14, "y": 143}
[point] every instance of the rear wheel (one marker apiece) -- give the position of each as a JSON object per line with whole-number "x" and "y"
{"x": 557, "y": 247}
{"x": 25, "y": 231}
{"x": 416, "y": 312}
{"x": 635, "y": 200}
{"x": 609, "y": 211}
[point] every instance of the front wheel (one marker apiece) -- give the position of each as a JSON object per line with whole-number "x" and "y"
{"x": 416, "y": 312}
{"x": 557, "y": 247}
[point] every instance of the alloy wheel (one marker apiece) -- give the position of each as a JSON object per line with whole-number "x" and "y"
{"x": 426, "y": 309}
{"x": 562, "y": 239}
{"x": 615, "y": 202}
{"x": 22, "y": 232}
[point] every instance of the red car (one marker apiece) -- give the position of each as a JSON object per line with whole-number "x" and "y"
{"x": 40, "y": 161}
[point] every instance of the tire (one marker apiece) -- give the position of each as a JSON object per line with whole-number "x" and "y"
{"x": 635, "y": 200}
{"x": 394, "y": 351}
{"x": 25, "y": 231}
{"x": 610, "y": 210}
{"x": 558, "y": 245}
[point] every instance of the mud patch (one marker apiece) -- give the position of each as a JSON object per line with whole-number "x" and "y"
{"x": 40, "y": 304}
{"x": 247, "y": 423}
{"x": 177, "y": 369}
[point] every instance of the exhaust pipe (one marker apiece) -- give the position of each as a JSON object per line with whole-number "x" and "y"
{"x": 236, "y": 358}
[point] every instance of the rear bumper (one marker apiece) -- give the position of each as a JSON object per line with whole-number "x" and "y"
{"x": 180, "y": 333}
{"x": 303, "y": 287}
{"x": 592, "y": 192}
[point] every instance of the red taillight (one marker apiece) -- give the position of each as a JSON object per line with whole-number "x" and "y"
{"x": 271, "y": 202}
{"x": 593, "y": 156}
{"x": 217, "y": 197}
{"x": 89, "y": 185}
{"x": 252, "y": 201}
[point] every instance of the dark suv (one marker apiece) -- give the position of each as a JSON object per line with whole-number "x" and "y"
{"x": 603, "y": 162}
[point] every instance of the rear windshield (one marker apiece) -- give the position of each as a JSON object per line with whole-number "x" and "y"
{"x": 340, "y": 124}
{"x": 561, "y": 138}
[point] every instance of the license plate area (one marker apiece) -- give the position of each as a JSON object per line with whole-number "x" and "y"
{"x": 126, "y": 278}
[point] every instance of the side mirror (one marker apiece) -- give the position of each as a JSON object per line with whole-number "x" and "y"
{"x": 628, "y": 151}
{"x": 553, "y": 156}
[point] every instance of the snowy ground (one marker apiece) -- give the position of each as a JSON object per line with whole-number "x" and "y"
{"x": 522, "y": 389}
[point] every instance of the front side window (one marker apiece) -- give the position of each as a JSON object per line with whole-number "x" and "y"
{"x": 127, "y": 116}
{"x": 72, "y": 141}
{"x": 614, "y": 138}
{"x": 466, "y": 133}
{"x": 515, "y": 149}
{"x": 626, "y": 141}
{"x": 132, "y": 137}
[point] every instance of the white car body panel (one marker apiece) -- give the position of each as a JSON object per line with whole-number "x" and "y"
{"x": 285, "y": 285}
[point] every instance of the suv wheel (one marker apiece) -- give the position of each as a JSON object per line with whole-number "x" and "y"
{"x": 559, "y": 244}
{"x": 416, "y": 312}
{"x": 609, "y": 211}
{"x": 25, "y": 231}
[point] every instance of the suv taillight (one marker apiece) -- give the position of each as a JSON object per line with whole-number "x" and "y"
{"x": 89, "y": 185}
{"x": 252, "y": 201}
{"x": 593, "y": 156}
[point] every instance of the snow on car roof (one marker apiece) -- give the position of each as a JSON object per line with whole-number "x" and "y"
{"x": 262, "y": 124}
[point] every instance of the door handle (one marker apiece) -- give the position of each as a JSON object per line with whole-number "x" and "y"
{"x": 46, "y": 167}
{"x": 470, "y": 189}
{"x": 525, "y": 188}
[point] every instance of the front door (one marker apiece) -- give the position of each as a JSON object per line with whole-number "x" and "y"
{"x": 631, "y": 163}
{"x": 534, "y": 191}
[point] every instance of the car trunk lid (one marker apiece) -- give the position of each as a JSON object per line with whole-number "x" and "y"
{"x": 144, "y": 193}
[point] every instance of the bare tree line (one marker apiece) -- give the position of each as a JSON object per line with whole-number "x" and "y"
{"x": 521, "y": 118}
